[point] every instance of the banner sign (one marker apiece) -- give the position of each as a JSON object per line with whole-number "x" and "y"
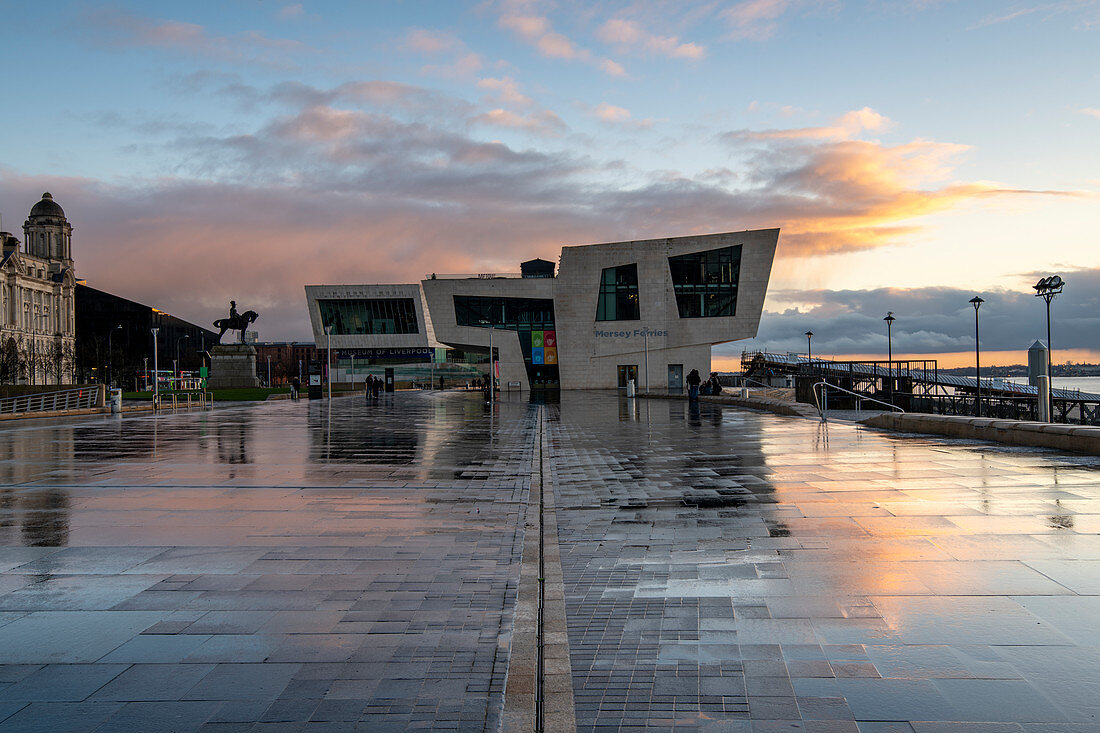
{"x": 416, "y": 353}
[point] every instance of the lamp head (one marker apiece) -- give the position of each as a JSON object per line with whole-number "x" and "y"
{"x": 976, "y": 302}
{"x": 889, "y": 317}
{"x": 809, "y": 334}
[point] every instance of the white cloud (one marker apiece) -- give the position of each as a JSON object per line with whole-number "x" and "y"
{"x": 630, "y": 34}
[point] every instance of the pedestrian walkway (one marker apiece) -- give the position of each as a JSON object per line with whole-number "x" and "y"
{"x": 281, "y": 567}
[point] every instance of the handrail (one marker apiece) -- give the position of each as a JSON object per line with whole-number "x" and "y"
{"x": 857, "y": 395}
{"x": 58, "y": 400}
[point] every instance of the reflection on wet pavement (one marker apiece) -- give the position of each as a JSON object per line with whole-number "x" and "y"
{"x": 275, "y": 566}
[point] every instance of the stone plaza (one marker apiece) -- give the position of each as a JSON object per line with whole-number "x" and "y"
{"x": 356, "y": 565}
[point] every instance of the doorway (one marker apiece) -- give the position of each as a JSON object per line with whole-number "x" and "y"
{"x": 626, "y": 373}
{"x": 675, "y": 377}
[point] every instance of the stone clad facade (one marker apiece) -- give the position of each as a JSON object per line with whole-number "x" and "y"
{"x": 647, "y": 310}
{"x": 37, "y": 282}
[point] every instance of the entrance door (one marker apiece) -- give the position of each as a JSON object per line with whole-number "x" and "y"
{"x": 675, "y": 377}
{"x": 626, "y": 372}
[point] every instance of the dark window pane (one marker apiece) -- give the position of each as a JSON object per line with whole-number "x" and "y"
{"x": 706, "y": 282}
{"x": 618, "y": 297}
{"x": 364, "y": 316}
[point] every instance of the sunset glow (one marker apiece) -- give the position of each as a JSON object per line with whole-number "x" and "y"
{"x": 911, "y": 153}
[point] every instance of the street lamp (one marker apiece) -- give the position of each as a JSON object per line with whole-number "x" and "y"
{"x": 111, "y": 355}
{"x": 890, "y": 350}
{"x": 156, "y": 369}
{"x": 809, "y": 352}
{"x": 1046, "y": 289}
{"x": 977, "y": 303}
{"x": 328, "y": 347}
{"x": 178, "y": 360}
{"x": 269, "y": 371}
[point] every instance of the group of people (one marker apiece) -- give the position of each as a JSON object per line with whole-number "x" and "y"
{"x": 697, "y": 386}
{"x": 372, "y": 387}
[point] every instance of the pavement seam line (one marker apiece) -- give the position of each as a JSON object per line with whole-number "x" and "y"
{"x": 523, "y": 663}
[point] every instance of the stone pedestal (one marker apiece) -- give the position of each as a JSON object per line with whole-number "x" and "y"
{"x": 232, "y": 365}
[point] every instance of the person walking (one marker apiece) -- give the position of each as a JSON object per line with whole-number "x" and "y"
{"x": 295, "y": 388}
{"x": 693, "y": 381}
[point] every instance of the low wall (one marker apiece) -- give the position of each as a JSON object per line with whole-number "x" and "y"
{"x": 1077, "y": 438}
{"x": 779, "y": 407}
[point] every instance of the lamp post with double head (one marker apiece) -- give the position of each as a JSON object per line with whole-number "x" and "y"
{"x": 977, "y": 303}
{"x": 1046, "y": 289}
{"x": 809, "y": 352}
{"x": 156, "y": 367}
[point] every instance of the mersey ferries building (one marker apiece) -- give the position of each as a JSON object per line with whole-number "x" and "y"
{"x": 645, "y": 310}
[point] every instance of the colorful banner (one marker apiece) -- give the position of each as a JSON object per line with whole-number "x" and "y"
{"x": 549, "y": 338}
{"x": 536, "y": 355}
{"x": 536, "y": 338}
{"x": 550, "y": 354}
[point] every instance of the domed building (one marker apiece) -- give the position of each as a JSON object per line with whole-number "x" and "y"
{"x": 37, "y": 283}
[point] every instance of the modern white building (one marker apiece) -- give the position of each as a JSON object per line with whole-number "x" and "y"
{"x": 37, "y": 319}
{"x": 645, "y": 310}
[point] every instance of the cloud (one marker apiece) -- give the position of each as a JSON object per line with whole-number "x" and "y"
{"x": 542, "y": 123}
{"x": 119, "y": 28}
{"x": 629, "y": 34}
{"x": 290, "y": 12}
{"x": 539, "y": 32}
{"x": 930, "y": 320}
{"x": 847, "y": 125}
{"x": 421, "y": 40}
{"x": 754, "y": 19}
{"x": 506, "y": 90}
{"x": 612, "y": 115}
{"x": 1091, "y": 112}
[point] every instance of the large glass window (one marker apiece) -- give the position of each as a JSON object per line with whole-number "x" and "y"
{"x": 374, "y": 315}
{"x": 511, "y": 313}
{"x": 706, "y": 282}
{"x": 618, "y": 294}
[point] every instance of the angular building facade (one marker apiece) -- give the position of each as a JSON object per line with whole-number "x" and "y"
{"x": 646, "y": 310}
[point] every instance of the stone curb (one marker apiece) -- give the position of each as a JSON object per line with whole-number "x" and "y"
{"x": 1076, "y": 438}
{"x": 779, "y": 407}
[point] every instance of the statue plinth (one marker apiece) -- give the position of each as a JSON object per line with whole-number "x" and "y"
{"x": 232, "y": 365}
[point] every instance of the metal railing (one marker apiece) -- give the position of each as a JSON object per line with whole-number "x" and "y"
{"x": 765, "y": 387}
{"x": 174, "y": 400}
{"x": 65, "y": 399}
{"x": 860, "y": 399}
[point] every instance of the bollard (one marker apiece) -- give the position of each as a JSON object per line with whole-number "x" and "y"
{"x": 744, "y": 393}
{"x": 630, "y": 388}
{"x": 1043, "y": 382}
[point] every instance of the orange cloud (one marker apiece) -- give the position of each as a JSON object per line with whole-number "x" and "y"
{"x": 538, "y": 31}
{"x": 630, "y": 34}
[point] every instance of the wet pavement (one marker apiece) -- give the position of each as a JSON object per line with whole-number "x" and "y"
{"x": 275, "y": 567}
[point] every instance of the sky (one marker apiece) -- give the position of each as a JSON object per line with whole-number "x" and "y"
{"x": 914, "y": 153}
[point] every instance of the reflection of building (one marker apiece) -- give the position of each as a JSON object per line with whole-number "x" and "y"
{"x": 104, "y": 350}
{"x": 37, "y": 324}
{"x": 612, "y": 312}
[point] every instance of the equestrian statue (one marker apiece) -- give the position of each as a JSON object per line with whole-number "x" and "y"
{"x": 235, "y": 322}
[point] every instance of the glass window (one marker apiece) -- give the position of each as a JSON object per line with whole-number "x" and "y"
{"x": 706, "y": 282}
{"x": 618, "y": 294}
{"x": 516, "y": 314}
{"x": 375, "y": 315}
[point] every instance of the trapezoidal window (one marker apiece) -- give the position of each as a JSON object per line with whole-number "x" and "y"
{"x": 618, "y": 294}
{"x": 706, "y": 282}
{"x": 369, "y": 315}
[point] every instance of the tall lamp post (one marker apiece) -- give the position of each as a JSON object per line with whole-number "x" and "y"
{"x": 111, "y": 356}
{"x": 809, "y": 351}
{"x": 1046, "y": 289}
{"x": 178, "y": 361}
{"x": 890, "y": 350}
{"x": 977, "y": 303}
{"x": 328, "y": 360}
{"x": 156, "y": 368}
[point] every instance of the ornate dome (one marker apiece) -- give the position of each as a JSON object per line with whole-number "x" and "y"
{"x": 47, "y": 207}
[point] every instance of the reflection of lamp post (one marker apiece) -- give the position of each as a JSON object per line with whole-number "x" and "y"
{"x": 1046, "y": 289}
{"x": 269, "y": 371}
{"x": 977, "y": 303}
{"x": 890, "y": 350}
{"x": 111, "y": 355}
{"x": 809, "y": 353}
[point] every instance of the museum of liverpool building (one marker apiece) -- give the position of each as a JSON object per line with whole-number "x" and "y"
{"x": 645, "y": 310}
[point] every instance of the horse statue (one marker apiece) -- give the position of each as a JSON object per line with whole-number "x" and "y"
{"x": 235, "y": 322}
